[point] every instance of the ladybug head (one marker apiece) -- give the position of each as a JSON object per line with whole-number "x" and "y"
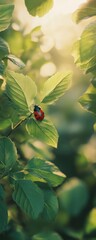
{"x": 36, "y": 108}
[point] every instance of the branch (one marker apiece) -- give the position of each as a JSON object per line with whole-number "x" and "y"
{"x": 18, "y": 124}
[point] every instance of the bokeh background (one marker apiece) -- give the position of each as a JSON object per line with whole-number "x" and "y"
{"x": 46, "y": 46}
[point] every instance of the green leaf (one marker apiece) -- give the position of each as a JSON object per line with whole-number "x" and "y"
{"x": 2, "y": 195}
{"x": 88, "y": 45}
{"x": 4, "y": 48}
{"x": 6, "y": 11}
{"x": 8, "y": 155}
{"x": 5, "y": 125}
{"x": 85, "y": 11}
{"x": 38, "y": 8}
{"x": 85, "y": 54}
{"x": 15, "y": 60}
{"x": 40, "y": 152}
{"x": 50, "y": 205}
{"x": 2, "y": 67}
{"x": 21, "y": 90}
{"x": 43, "y": 131}
{"x": 48, "y": 235}
{"x": 91, "y": 221}
{"x": 55, "y": 87}
{"x": 46, "y": 170}
{"x": 3, "y": 211}
{"x": 88, "y": 99}
{"x": 3, "y": 216}
{"x": 73, "y": 196}
{"x": 8, "y": 112}
{"x": 88, "y": 65}
{"x": 33, "y": 178}
{"x": 29, "y": 197}
{"x": 74, "y": 234}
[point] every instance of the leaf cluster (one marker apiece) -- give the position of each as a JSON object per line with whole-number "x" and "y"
{"x": 31, "y": 182}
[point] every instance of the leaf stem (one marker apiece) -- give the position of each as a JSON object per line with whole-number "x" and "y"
{"x": 18, "y": 124}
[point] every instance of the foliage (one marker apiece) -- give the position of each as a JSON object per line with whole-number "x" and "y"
{"x": 40, "y": 7}
{"x": 87, "y": 53}
{"x": 85, "y": 11}
{"x": 70, "y": 194}
{"x": 33, "y": 205}
{"x": 5, "y": 15}
{"x": 18, "y": 95}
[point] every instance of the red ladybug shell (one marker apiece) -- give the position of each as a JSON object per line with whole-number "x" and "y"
{"x": 38, "y": 113}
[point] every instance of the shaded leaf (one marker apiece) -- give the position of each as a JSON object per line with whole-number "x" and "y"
{"x": 2, "y": 194}
{"x": 6, "y": 11}
{"x": 2, "y": 67}
{"x": 55, "y": 87}
{"x": 8, "y": 155}
{"x": 29, "y": 197}
{"x": 48, "y": 235}
{"x": 15, "y": 60}
{"x": 50, "y": 205}
{"x": 73, "y": 196}
{"x": 4, "y": 48}
{"x": 21, "y": 90}
{"x": 3, "y": 211}
{"x": 5, "y": 124}
{"x": 43, "y": 131}
{"x": 75, "y": 234}
{"x": 38, "y": 8}
{"x": 46, "y": 170}
{"x": 7, "y": 111}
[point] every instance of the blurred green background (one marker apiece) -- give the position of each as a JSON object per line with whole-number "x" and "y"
{"x": 45, "y": 45}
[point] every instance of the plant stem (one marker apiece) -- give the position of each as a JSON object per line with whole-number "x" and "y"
{"x": 18, "y": 124}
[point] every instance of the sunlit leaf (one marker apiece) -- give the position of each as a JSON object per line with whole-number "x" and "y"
{"x": 86, "y": 10}
{"x": 3, "y": 211}
{"x": 40, "y": 152}
{"x": 29, "y": 197}
{"x": 4, "y": 48}
{"x": 55, "y": 87}
{"x": 88, "y": 44}
{"x": 2, "y": 67}
{"x": 88, "y": 99}
{"x": 6, "y": 11}
{"x": 46, "y": 170}
{"x": 73, "y": 196}
{"x": 38, "y": 8}
{"x": 88, "y": 65}
{"x": 91, "y": 221}
{"x": 85, "y": 54}
{"x": 76, "y": 52}
{"x": 43, "y": 130}
{"x": 21, "y": 90}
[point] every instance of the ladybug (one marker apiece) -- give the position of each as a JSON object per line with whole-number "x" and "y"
{"x": 38, "y": 113}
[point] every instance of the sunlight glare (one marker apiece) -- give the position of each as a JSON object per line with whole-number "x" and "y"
{"x": 60, "y": 7}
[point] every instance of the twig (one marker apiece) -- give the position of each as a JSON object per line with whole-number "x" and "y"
{"x": 18, "y": 124}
